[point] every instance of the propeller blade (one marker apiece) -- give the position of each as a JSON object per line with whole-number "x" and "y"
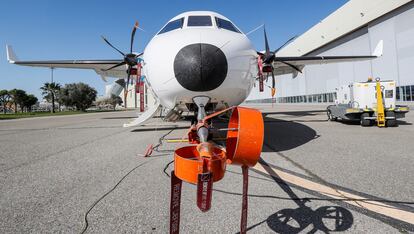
{"x": 133, "y": 35}
{"x": 273, "y": 80}
{"x": 286, "y": 43}
{"x": 292, "y": 66}
{"x": 117, "y": 65}
{"x": 266, "y": 42}
{"x": 107, "y": 42}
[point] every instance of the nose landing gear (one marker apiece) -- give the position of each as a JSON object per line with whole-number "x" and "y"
{"x": 204, "y": 162}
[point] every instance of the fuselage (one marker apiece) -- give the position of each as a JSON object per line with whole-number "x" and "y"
{"x": 200, "y": 54}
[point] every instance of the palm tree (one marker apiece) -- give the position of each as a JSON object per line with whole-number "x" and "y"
{"x": 49, "y": 91}
{"x": 18, "y": 96}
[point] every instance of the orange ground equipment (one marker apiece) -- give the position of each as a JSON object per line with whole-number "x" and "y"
{"x": 205, "y": 162}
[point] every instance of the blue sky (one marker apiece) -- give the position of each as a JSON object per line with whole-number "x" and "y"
{"x": 51, "y": 29}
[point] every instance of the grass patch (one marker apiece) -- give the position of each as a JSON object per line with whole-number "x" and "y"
{"x": 42, "y": 114}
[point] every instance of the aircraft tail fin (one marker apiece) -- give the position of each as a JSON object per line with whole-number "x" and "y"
{"x": 11, "y": 56}
{"x": 379, "y": 49}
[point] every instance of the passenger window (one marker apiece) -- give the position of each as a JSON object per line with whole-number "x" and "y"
{"x": 199, "y": 20}
{"x": 176, "y": 24}
{"x": 225, "y": 24}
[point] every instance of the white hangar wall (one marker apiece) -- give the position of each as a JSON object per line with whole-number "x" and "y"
{"x": 318, "y": 82}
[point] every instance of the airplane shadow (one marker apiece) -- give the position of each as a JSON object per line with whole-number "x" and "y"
{"x": 296, "y": 113}
{"x": 283, "y": 135}
{"x": 324, "y": 219}
{"x": 279, "y": 135}
{"x": 120, "y": 117}
{"x": 158, "y": 128}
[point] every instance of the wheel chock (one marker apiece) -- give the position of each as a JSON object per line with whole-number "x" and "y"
{"x": 149, "y": 150}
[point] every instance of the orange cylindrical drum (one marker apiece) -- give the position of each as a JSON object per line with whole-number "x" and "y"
{"x": 188, "y": 163}
{"x": 245, "y": 136}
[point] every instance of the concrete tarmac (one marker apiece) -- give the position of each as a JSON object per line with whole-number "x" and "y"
{"x": 315, "y": 176}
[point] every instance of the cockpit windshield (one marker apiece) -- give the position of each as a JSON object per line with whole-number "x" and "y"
{"x": 199, "y": 21}
{"x": 173, "y": 25}
{"x": 225, "y": 24}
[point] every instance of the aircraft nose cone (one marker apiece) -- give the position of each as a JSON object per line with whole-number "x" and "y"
{"x": 200, "y": 67}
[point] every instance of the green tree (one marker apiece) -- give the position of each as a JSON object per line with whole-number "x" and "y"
{"x": 49, "y": 91}
{"x": 29, "y": 101}
{"x": 18, "y": 97}
{"x": 5, "y": 98}
{"x": 79, "y": 95}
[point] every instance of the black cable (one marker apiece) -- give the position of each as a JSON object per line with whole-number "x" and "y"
{"x": 155, "y": 148}
{"x": 166, "y": 167}
{"x": 85, "y": 217}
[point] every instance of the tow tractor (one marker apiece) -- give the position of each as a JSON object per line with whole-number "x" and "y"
{"x": 371, "y": 102}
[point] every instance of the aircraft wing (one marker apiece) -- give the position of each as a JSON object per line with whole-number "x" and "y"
{"x": 288, "y": 65}
{"x": 98, "y": 65}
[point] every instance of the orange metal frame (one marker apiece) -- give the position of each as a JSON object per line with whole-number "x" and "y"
{"x": 243, "y": 147}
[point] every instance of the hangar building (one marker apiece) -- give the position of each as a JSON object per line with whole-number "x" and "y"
{"x": 353, "y": 29}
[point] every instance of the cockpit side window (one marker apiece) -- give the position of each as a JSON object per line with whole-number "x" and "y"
{"x": 225, "y": 24}
{"x": 199, "y": 21}
{"x": 173, "y": 25}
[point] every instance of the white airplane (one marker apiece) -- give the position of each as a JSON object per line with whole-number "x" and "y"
{"x": 197, "y": 54}
{"x": 202, "y": 63}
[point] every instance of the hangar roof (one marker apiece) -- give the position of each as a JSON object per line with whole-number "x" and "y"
{"x": 351, "y": 16}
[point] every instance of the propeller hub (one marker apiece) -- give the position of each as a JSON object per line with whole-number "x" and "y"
{"x": 131, "y": 59}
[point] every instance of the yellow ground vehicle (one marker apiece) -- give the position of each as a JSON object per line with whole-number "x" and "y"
{"x": 371, "y": 102}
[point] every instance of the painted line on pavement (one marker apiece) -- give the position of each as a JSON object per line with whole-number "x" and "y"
{"x": 352, "y": 199}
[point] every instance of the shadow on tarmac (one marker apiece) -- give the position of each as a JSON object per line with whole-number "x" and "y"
{"x": 326, "y": 218}
{"x": 280, "y": 135}
{"x": 160, "y": 128}
{"x": 296, "y": 113}
{"x": 284, "y": 135}
{"x": 120, "y": 117}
